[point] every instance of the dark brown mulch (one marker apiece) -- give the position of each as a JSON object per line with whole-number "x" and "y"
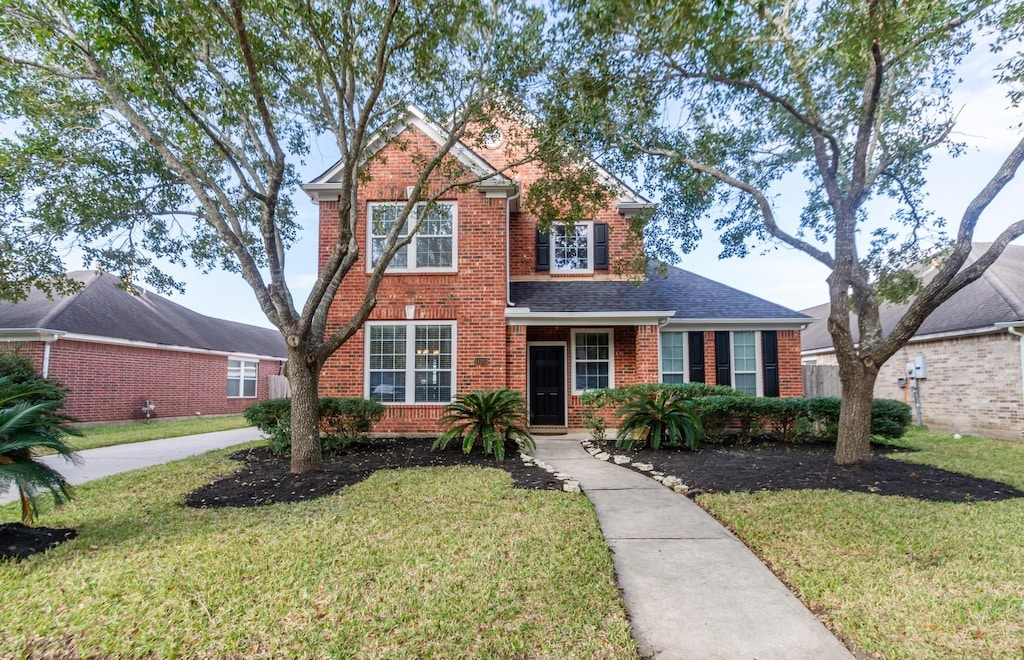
{"x": 18, "y": 541}
{"x": 774, "y": 466}
{"x": 267, "y": 479}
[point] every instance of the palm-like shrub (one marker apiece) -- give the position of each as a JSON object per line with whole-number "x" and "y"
{"x": 27, "y": 425}
{"x": 659, "y": 417}
{"x": 490, "y": 417}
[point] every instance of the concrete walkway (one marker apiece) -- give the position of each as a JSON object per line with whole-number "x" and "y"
{"x": 105, "y": 461}
{"x": 693, "y": 590}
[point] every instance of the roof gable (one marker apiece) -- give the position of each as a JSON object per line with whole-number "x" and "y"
{"x": 101, "y": 309}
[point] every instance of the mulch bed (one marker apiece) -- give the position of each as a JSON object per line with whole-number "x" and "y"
{"x": 267, "y": 479}
{"x": 18, "y": 541}
{"x": 775, "y": 466}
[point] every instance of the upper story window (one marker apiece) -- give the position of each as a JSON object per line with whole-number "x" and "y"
{"x": 432, "y": 249}
{"x": 583, "y": 248}
{"x": 571, "y": 248}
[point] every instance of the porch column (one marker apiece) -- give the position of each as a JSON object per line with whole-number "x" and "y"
{"x": 515, "y": 358}
{"x": 647, "y": 354}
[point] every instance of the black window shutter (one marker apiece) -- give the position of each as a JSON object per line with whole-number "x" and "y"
{"x": 601, "y": 246}
{"x": 696, "y": 346}
{"x": 723, "y": 359}
{"x": 770, "y": 362}
{"x": 543, "y": 251}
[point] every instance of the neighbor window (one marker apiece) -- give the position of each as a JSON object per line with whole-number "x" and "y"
{"x": 744, "y": 361}
{"x": 433, "y": 248}
{"x": 592, "y": 360}
{"x": 242, "y": 378}
{"x": 410, "y": 363}
{"x": 570, "y": 248}
{"x": 673, "y": 357}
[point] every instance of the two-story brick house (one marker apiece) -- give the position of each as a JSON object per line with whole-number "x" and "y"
{"x": 481, "y": 300}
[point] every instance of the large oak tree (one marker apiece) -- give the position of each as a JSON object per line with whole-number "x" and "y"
{"x": 172, "y": 129}
{"x": 716, "y": 102}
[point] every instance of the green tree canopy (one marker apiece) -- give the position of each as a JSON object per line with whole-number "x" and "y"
{"x": 716, "y": 103}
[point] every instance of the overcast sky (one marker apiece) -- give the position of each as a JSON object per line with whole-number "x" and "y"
{"x": 781, "y": 275}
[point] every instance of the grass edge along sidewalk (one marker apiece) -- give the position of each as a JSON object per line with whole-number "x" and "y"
{"x": 901, "y": 578}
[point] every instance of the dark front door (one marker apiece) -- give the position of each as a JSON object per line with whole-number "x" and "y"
{"x": 547, "y": 385}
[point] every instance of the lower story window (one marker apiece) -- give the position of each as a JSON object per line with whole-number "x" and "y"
{"x": 410, "y": 363}
{"x": 744, "y": 361}
{"x": 592, "y": 360}
{"x": 242, "y": 378}
{"x": 673, "y": 362}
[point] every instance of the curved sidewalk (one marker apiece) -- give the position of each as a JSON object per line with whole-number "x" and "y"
{"x": 105, "y": 461}
{"x": 693, "y": 590}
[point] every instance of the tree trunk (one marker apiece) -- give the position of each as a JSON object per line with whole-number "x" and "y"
{"x": 858, "y": 388}
{"x": 304, "y": 380}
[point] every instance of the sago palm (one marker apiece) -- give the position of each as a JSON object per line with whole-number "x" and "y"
{"x": 490, "y": 417}
{"x": 27, "y": 426}
{"x": 659, "y": 417}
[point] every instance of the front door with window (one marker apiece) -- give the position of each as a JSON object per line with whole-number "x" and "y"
{"x": 547, "y": 385}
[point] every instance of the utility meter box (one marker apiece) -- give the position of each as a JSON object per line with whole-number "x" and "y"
{"x": 919, "y": 368}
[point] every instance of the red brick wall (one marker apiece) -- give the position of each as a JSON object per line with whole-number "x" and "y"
{"x": 112, "y": 383}
{"x": 791, "y": 377}
{"x": 474, "y": 296}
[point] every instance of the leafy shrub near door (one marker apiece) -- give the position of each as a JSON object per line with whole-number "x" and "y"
{"x": 342, "y": 421}
{"x": 489, "y": 417}
{"x": 659, "y": 417}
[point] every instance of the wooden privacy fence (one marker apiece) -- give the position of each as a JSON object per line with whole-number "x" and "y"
{"x": 821, "y": 380}
{"x": 277, "y": 387}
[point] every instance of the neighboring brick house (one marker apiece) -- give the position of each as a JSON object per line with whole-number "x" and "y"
{"x": 114, "y": 351}
{"x": 481, "y": 300}
{"x": 972, "y": 350}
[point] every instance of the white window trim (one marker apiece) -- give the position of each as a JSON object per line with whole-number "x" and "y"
{"x": 242, "y": 379}
{"x": 611, "y": 355}
{"x": 686, "y": 356}
{"x": 411, "y": 248}
{"x": 590, "y": 250}
{"x": 758, "y": 364}
{"x": 410, "y": 365}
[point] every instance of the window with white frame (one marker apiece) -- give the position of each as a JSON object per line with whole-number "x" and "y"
{"x": 432, "y": 249}
{"x": 410, "y": 362}
{"x": 744, "y": 361}
{"x": 571, "y": 248}
{"x": 592, "y": 366}
{"x": 673, "y": 357}
{"x": 242, "y": 378}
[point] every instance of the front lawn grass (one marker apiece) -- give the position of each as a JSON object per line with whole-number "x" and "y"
{"x": 107, "y": 435}
{"x": 902, "y": 578}
{"x": 433, "y": 562}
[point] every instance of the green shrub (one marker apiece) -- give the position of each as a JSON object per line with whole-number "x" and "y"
{"x": 787, "y": 417}
{"x": 29, "y": 422}
{"x": 342, "y": 421}
{"x": 22, "y": 378}
{"x": 490, "y": 417}
{"x": 659, "y": 416}
{"x": 889, "y": 418}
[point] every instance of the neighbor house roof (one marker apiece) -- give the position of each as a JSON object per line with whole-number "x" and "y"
{"x": 683, "y": 297}
{"x": 100, "y": 309}
{"x": 997, "y": 297}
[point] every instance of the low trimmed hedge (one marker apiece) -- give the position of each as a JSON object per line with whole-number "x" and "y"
{"x": 342, "y": 421}
{"x": 725, "y": 412}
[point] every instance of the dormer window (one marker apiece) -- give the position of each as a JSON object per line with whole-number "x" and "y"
{"x": 579, "y": 249}
{"x": 432, "y": 249}
{"x": 571, "y": 248}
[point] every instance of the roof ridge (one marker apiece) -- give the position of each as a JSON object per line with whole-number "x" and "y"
{"x": 64, "y": 303}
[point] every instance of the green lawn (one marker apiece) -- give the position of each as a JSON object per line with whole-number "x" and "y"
{"x": 902, "y": 578}
{"x": 121, "y": 434}
{"x": 437, "y": 562}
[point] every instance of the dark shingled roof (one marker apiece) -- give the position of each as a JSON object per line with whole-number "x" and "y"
{"x": 101, "y": 309}
{"x": 996, "y": 297}
{"x": 690, "y": 295}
